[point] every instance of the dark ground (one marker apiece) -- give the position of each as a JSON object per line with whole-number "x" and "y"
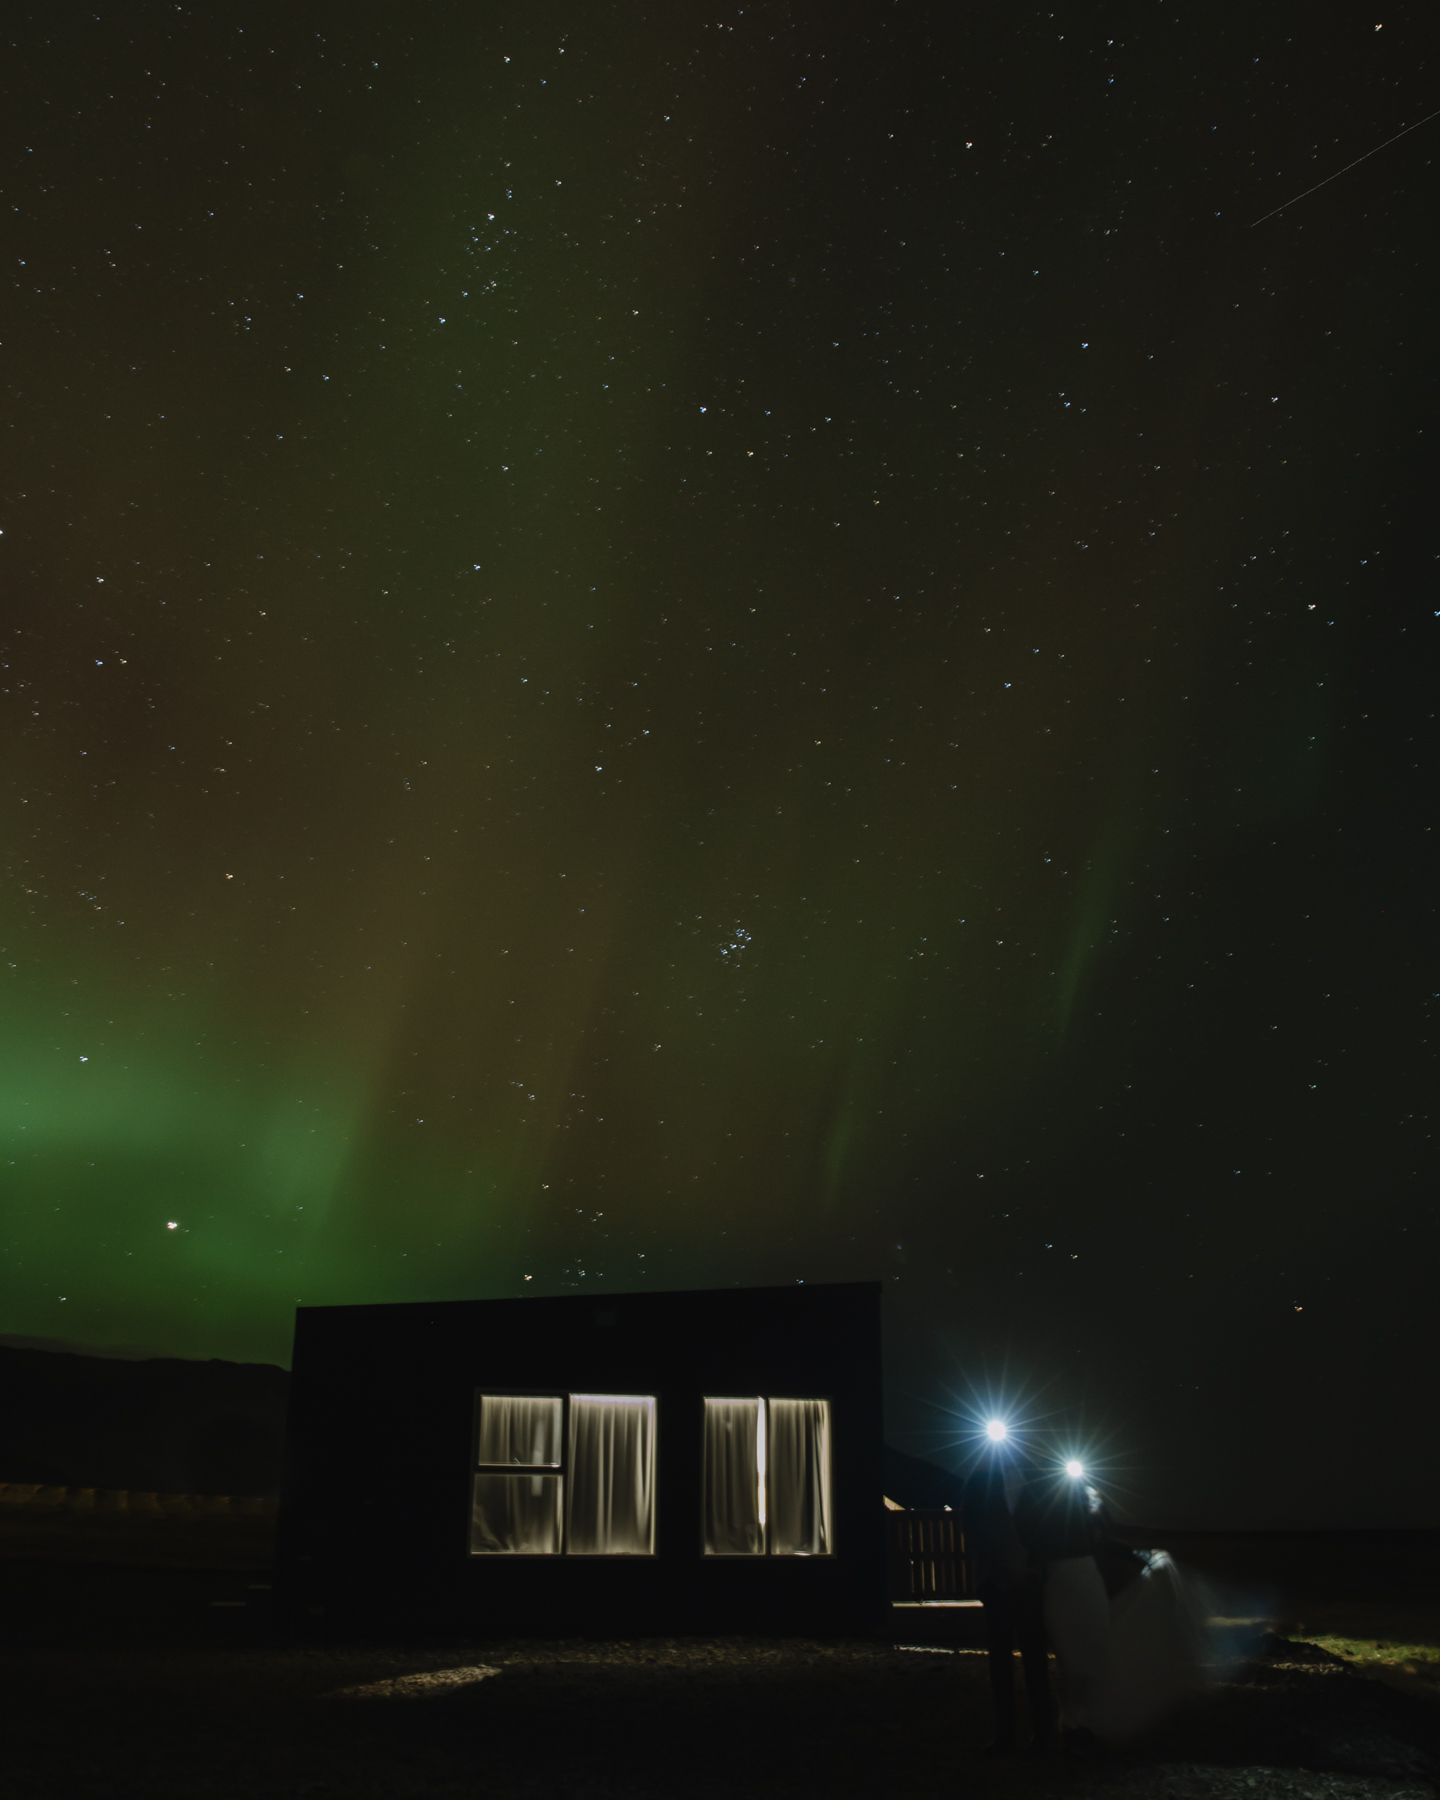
{"x": 132, "y": 1679}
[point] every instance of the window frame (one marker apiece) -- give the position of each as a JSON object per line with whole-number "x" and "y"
{"x": 516, "y": 1471}
{"x": 560, "y": 1471}
{"x": 739, "y": 1556}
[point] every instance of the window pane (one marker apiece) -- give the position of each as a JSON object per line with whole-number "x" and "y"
{"x": 517, "y": 1430}
{"x": 734, "y": 1478}
{"x": 517, "y": 1515}
{"x": 799, "y": 1456}
{"x": 612, "y": 1475}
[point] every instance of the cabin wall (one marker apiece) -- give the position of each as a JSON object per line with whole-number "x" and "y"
{"x": 375, "y": 1503}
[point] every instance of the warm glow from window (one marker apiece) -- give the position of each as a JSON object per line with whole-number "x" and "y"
{"x": 767, "y": 1478}
{"x": 557, "y": 1475}
{"x": 760, "y": 1462}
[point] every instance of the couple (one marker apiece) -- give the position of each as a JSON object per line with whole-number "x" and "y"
{"x": 1125, "y": 1628}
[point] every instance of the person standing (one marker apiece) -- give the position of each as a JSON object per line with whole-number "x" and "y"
{"x": 999, "y": 1512}
{"x": 1062, "y": 1539}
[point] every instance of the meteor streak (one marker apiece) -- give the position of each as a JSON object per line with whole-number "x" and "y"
{"x": 1350, "y": 165}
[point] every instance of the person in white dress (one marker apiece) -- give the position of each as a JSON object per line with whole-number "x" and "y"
{"x": 1127, "y": 1627}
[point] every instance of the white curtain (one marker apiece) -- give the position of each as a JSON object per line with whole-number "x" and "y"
{"x": 611, "y": 1502}
{"x": 515, "y": 1515}
{"x": 515, "y": 1429}
{"x": 799, "y": 1456}
{"x": 734, "y": 1478}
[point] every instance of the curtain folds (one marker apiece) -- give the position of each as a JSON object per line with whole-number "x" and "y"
{"x": 518, "y": 1430}
{"x": 765, "y": 1483}
{"x": 801, "y": 1522}
{"x": 515, "y": 1515}
{"x": 734, "y": 1477}
{"x": 611, "y": 1502}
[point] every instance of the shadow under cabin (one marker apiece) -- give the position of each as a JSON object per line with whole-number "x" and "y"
{"x": 639, "y": 1462}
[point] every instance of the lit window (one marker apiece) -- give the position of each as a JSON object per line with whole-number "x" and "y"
{"x": 767, "y": 1478}
{"x": 517, "y": 1512}
{"x": 735, "y": 1477}
{"x": 597, "y": 1498}
{"x": 611, "y": 1511}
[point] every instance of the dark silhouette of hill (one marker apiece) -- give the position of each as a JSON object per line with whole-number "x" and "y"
{"x": 162, "y": 1424}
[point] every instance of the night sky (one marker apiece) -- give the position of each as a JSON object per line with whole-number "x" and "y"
{"x": 658, "y": 645}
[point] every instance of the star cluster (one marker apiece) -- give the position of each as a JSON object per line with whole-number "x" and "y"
{"x": 644, "y": 649}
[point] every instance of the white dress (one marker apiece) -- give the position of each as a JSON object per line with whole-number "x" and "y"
{"x": 1077, "y": 1621}
{"x": 1155, "y": 1650}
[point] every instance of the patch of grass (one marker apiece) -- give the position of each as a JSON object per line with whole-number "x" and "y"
{"x": 1410, "y": 1659}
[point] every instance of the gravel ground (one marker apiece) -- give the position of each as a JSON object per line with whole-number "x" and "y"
{"x": 178, "y": 1691}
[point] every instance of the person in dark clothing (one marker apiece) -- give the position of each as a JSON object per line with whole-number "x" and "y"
{"x": 1004, "y": 1515}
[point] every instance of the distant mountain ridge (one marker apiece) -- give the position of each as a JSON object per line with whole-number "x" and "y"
{"x": 161, "y": 1424}
{"x": 11, "y": 1340}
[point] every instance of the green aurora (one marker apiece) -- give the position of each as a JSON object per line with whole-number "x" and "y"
{"x": 645, "y": 650}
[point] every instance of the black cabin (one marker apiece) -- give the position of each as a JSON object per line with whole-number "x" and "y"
{"x": 662, "y": 1461}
